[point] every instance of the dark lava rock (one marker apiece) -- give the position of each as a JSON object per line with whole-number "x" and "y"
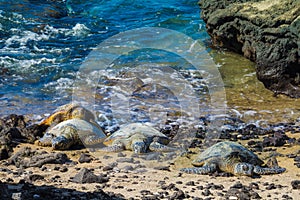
{"x": 241, "y": 192}
{"x": 34, "y": 177}
{"x": 206, "y": 192}
{"x": 125, "y": 160}
{"x": 86, "y": 176}
{"x": 164, "y": 168}
{"x": 296, "y": 184}
{"x": 28, "y": 191}
{"x": 177, "y": 195}
{"x": 26, "y": 157}
{"x": 277, "y": 139}
{"x": 265, "y": 32}
{"x": 14, "y": 129}
{"x": 85, "y": 158}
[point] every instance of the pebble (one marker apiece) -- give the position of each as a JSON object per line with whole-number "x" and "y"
{"x": 85, "y": 158}
{"x": 296, "y": 184}
{"x": 120, "y": 154}
{"x": 177, "y": 195}
{"x": 206, "y": 192}
{"x": 127, "y": 168}
{"x": 34, "y": 177}
{"x": 123, "y": 160}
{"x": 164, "y": 168}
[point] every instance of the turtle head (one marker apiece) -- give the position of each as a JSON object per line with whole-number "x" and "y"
{"x": 242, "y": 168}
{"x": 139, "y": 147}
{"x": 60, "y": 143}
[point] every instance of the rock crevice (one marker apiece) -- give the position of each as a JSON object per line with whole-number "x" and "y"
{"x": 265, "y": 31}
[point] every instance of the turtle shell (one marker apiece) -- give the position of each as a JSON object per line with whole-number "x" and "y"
{"x": 127, "y": 131}
{"x": 69, "y": 111}
{"x": 76, "y": 129}
{"x": 227, "y": 149}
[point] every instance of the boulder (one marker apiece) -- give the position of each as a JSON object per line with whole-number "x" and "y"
{"x": 265, "y": 31}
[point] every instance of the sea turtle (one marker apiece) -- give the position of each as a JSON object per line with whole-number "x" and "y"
{"x": 72, "y": 132}
{"x": 69, "y": 111}
{"x": 230, "y": 157}
{"x": 139, "y": 138}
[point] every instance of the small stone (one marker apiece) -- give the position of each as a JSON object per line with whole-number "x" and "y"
{"x": 120, "y": 154}
{"x": 190, "y": 183}
{"x": 237, "y": 185}
{"x": 206, "y": 192}
{"x": 128, "y": 160}
{"x": 63, "y": 169}
{"x": 271, "y": 186}
{"x": 128, "y": 168}
{"x": 85, "y": 158}
{"x": 254, "y": 186}
{"x": 165, "y": 168}
{"x": 86, "y": 176}
{"x": 296, "y": 184}
{"x": 34, "y": 177}
{"x": 177, "y": 195}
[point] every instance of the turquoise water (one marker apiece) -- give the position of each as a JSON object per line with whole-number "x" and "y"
{"x": 43, "y": 43}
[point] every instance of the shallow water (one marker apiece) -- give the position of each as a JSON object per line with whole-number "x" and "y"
{"x": 44, "y": 44}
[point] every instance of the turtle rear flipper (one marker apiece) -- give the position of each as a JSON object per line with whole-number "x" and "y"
{"x": 206, "y": 169}
{"x": 262, "y": 170}
{"x": 158, "y": 147}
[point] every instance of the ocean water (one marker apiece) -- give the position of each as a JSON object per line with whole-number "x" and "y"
{"x": 44, "y": 44}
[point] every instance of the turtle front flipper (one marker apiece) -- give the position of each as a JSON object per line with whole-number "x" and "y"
{"x": 206, "y": 169}
{"x": 263, "y": 171}
{"x": 113, "y": 148}
{"x": 158, "y": 147}
{"x": 92, "y": 140}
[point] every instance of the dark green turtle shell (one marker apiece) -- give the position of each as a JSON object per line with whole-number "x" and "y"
{"x": 134, "y": 129}
{"x": 227, "y": 150}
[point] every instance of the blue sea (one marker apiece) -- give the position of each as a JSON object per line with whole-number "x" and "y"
{"x": 44, "y": 43}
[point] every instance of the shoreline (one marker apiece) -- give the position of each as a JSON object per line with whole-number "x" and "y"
{"x": 126, "y": 176}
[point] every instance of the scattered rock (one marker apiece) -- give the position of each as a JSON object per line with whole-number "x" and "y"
{"x": 85, "y": 158}
{"x": 34, "y": 177}
{"x": 127, "y": 160}
{"x": 86, "y": 176}
{"x": 26, "y": 157}
{"x": 25, "y": 190}
{"x": 177, "y": 195}
{"x": 296, "y": 184}
{"x": 277, "y": 139}
{"x": 164, "y": 168}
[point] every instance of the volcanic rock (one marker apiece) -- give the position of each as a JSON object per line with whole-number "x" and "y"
{"x": 265, "y": 31}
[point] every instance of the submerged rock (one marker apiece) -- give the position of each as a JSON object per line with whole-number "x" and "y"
{"x": 264, "y": 31}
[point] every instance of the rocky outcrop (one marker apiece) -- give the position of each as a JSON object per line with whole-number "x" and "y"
{"x": 15, "y": 129}
{"x": 265, "y": 31}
